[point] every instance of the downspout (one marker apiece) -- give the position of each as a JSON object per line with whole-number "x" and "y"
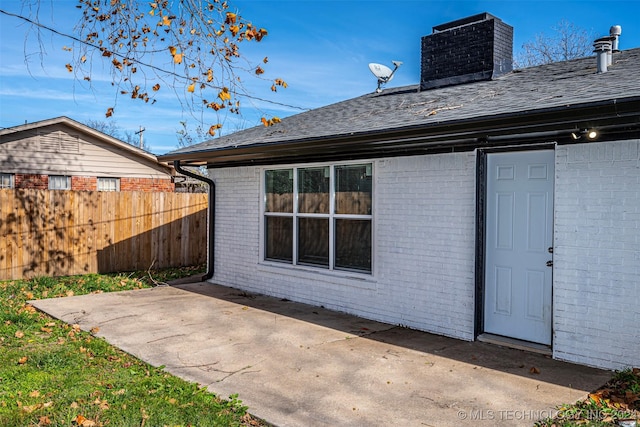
{"x": 212, "y": 216}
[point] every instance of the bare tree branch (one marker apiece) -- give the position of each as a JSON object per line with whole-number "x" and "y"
{"x": 567, "y": 41}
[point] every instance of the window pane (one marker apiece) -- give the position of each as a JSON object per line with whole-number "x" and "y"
{"x": 6, "y": 180}
{"x": 279, "y": 189}
{"x": 353, "y": 189}
{"x": 279, "y": 238}
{"x": 313, "y": 241}
{"x": 59, "y": 182}
{"x": 108, "y": 184}
{"x": 313, "y": 190}
{"x": 353, "y": 244}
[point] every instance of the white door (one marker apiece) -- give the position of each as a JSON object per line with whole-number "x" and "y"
{"x": 519, "y": 236}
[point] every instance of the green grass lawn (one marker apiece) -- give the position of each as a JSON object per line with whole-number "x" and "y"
{"x": 54, "y": 374}
{"x": 613, "y": 403}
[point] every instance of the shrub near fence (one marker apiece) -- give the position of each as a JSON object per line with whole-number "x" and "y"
{"x": 55, "y": 233}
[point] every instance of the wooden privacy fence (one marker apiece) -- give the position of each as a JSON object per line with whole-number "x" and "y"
{"x": 56, "y": 233}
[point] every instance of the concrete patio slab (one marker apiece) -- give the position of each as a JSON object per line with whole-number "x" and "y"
{"x": 299, "y": 365}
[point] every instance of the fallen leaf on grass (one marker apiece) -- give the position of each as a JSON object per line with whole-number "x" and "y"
{"x": 102, "y": 404}
{"x": 23, "y": 360}
{"x": 27, "y": 409}
{"x": 44, "y": 421}
{"x": 84, "y": 422}
{"x": 19, "y": 334}
{"x": 30, "y": 408}
{"x": 34, "y": 393}
{"x": 631, "y": 396}
{"x": 95, "y": 330}
{"x": 28, "y": 308}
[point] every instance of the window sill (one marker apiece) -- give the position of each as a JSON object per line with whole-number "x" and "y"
{"x": 341, "y": 277}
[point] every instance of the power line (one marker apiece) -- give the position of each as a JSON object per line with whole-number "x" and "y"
{"x": 151, "y": 66}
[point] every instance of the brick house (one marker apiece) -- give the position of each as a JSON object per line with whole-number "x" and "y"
{"x": 483, "y": 203}
{"x": 62, "y": 154}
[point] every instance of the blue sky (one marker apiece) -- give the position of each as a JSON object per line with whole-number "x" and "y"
{"x": 320, "y": 48}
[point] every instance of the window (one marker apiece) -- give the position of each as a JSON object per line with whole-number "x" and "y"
{"x": 108, "y": 184}
{"x": 6, "y": 180}
{"x": 319, "y": 216}
{"x": 59, "y": 182}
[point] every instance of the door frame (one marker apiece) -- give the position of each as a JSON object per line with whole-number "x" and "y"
{"x": 481, "y": 211}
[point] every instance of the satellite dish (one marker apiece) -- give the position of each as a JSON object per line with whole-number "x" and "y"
{"x": 383, "y": 73}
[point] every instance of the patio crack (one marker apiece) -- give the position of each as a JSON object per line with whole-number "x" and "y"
{"x": 118, "y": 318}
{"x": 165, "y": 338}
{"x": 209, "y": 367}
{"x": 356, "y": 335}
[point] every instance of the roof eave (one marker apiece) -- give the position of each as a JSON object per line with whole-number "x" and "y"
{"x": 554, "y": 123}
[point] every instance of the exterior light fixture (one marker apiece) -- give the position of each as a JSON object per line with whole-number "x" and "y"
{"x": 589, "y": 133}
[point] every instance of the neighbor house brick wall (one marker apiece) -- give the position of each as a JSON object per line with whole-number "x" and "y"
{"x": 90, "y": 183}
{"x": 424, "y": 234}
{"x": 146, "y": 184}
{"x": 38, "y": 182}
{"x": 84, "y": 183}
{"x": 597, "y": 254}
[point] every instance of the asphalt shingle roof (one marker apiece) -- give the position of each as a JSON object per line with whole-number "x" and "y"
{"x": 522, "y": 91}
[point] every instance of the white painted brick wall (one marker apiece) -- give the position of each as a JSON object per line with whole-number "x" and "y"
{"x": 424, "y": 231}
{"x": 597, "y": 254}
{"x": 424, "y": 239}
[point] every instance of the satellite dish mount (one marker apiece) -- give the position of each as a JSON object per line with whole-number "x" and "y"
{"x": 383, "y": 73}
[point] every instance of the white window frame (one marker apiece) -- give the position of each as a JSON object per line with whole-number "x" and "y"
{"x": 331, "y": 216}
{"x": 104, "y": 180}
{"x": 7, "y": 180}
{"x": 56, "y": 181}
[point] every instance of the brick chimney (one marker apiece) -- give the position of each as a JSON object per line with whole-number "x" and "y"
{"x": 471, "y": 49}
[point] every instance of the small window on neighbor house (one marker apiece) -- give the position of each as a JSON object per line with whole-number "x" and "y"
{"x": 6, "y": 180}
{"x": 59, "y": 182}
{"x": 108, "y": 184}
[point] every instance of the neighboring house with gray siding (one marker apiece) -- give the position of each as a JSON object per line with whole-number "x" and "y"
{"x": 476, "y": 204}
{"x": 62, "y": 154}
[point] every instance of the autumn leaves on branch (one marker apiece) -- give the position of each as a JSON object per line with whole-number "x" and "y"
{"x": 199, "y": 39}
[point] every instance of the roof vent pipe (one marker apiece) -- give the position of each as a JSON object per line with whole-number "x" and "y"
{"x": 615, "y": 32}
{"x": 603, "y": 51}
